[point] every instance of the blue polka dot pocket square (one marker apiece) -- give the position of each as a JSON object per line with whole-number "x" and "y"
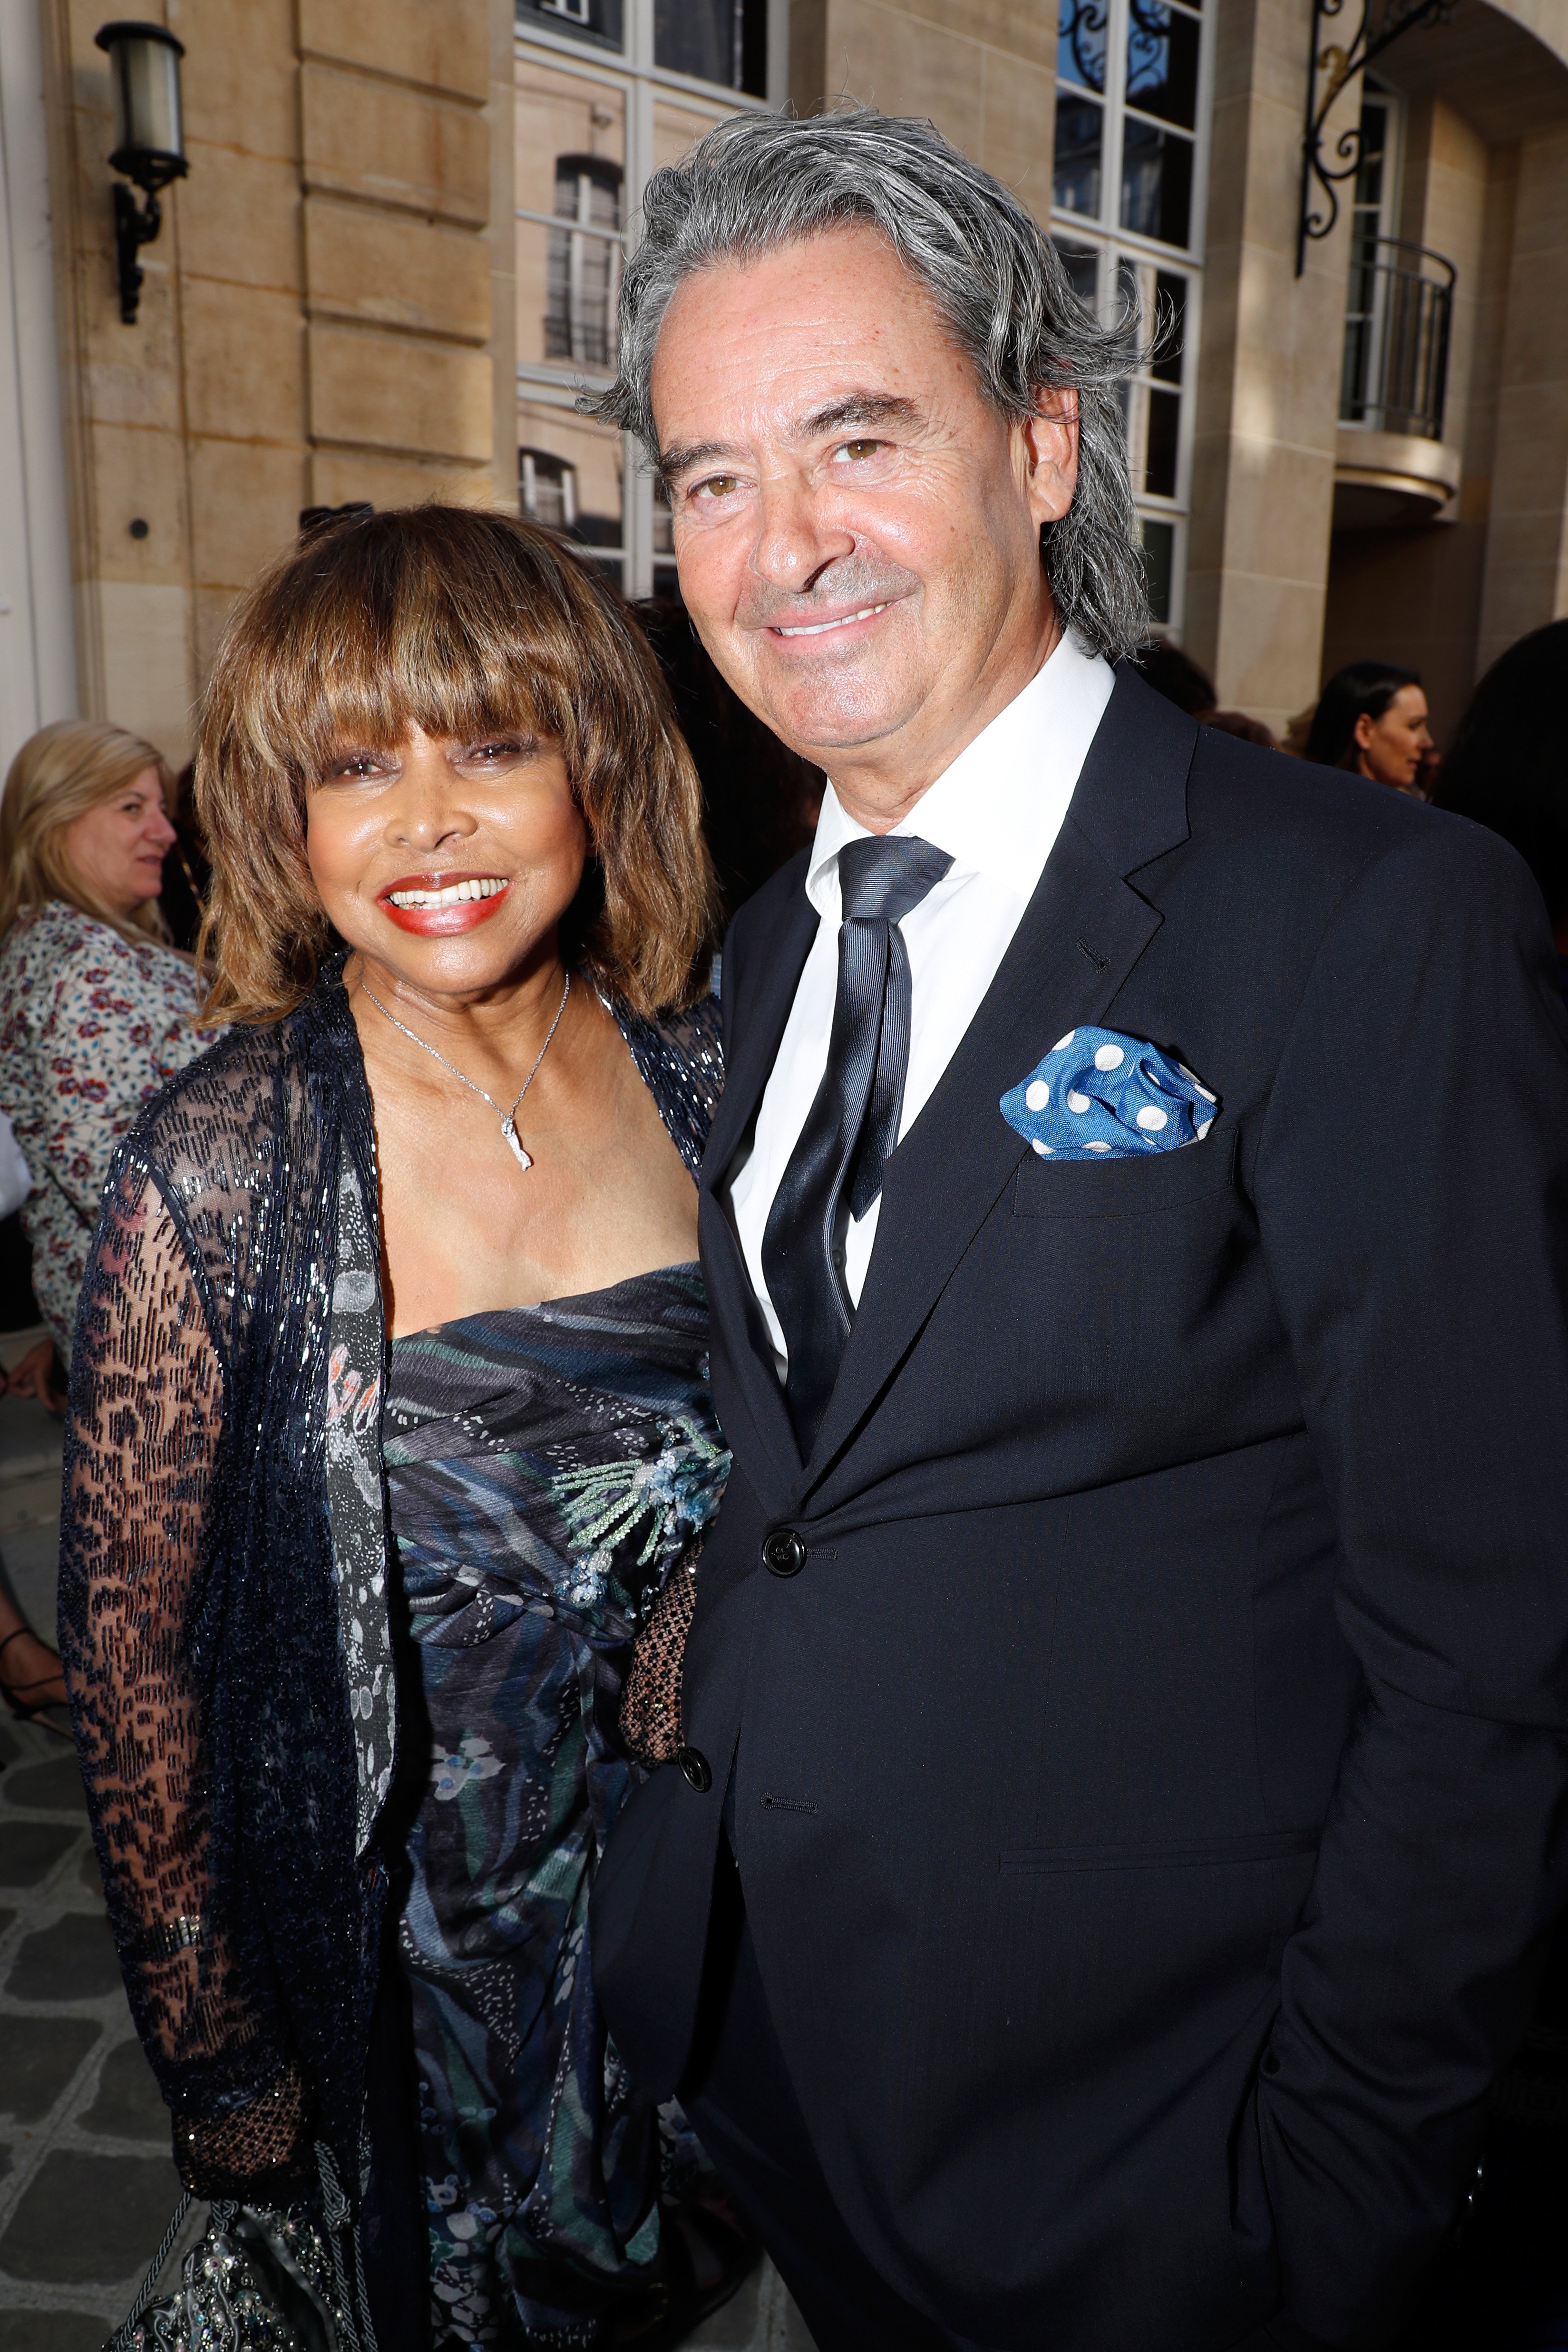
{"x": 1099, "y": 1095}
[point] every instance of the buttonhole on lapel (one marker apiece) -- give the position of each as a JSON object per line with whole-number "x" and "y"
{"x": 1099, "y": 961}
{"x": 787, "y": 1805}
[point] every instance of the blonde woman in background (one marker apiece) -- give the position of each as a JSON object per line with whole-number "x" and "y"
{"x": 96, "y": 1013}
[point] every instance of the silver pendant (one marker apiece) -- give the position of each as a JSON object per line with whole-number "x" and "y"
{"x": 509, "y": 1132}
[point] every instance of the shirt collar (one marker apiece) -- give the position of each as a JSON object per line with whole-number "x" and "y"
{"x": 997, "y": 810}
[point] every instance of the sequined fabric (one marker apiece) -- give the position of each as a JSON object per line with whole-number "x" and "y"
{"x": 210, "y": 1581}
{"x": 244, "y": 2287}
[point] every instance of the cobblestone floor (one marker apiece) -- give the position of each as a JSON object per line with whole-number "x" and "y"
{"x": 86, "y": 2184}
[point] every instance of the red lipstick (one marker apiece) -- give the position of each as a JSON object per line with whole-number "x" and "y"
{"x": 439, "y": 922}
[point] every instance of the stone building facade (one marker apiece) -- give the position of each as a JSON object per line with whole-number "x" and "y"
{"x": 395, "y": 261}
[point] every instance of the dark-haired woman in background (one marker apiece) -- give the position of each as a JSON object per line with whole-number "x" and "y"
{"x": 393, "y": 1319}
{"x": 1371, "y": 718}
{"x": 1509, "y": 765}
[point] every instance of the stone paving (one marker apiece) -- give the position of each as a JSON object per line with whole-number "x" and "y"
{"x": 87, "y": 2183}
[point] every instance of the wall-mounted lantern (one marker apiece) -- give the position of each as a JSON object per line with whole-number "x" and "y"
{"x": 149, "y": 139}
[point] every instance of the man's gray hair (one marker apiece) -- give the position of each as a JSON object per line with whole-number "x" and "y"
{"x": 761, "y": 180}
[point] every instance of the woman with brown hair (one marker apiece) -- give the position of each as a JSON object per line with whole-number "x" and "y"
{"x": 96, "y": 1012}
{"x": 389, "y": 1419}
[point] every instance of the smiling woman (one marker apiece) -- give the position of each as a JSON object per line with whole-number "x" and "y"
{"x": 410, "y": 1373}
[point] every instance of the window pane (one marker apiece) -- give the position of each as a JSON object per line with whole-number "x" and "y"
{"x": 1160, "y": 461}
{"x": 598, "y": 21}
{"x": 1080, "y": 43}
{"x": 570, "y": 145}
{"x": 1159, "y": 565}
{"x": 1156, "y": 183}
{"x": 1171, "y": 321}
{"x": 583, "y": 270}
{"x": 724, "y": 41}
{"x": 1081, "y": 263}
{"x": 1078, "y": 155}
{"x": 1163, "y": 61}
{"x": 572, "y": 470}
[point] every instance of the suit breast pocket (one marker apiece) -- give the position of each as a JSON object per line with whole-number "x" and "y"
{"x": 1139, "y": 1185}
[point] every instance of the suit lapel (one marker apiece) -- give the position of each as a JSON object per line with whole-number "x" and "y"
{"x": 746, "y": 1387}
{"x": 1084, "y": 929}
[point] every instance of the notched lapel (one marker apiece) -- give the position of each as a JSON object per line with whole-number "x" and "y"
{"x": 755, "y": 1025}
{"x": 755, "y": 1020}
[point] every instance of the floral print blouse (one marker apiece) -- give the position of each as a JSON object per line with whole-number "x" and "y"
{"x": 90, "y": 1027}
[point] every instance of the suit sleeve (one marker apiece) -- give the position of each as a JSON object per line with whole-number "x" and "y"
{"x": 1411, "y": 1183}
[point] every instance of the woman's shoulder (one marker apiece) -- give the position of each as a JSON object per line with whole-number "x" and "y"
{"x": 682, "y": 1058}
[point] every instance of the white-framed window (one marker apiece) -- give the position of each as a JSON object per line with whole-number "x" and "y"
{"x": 1131, "y": 173}
{"x": 608, "y": 90}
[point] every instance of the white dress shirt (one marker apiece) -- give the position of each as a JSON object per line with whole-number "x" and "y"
{"x": 997, "y": 811}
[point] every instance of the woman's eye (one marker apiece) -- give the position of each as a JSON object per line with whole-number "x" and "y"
{"x": 350, "y": 770}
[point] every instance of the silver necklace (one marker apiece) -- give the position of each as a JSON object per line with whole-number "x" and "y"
{"x": 508, "y": 1118}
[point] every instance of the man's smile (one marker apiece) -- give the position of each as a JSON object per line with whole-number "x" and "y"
{"x": 819, "y": 628}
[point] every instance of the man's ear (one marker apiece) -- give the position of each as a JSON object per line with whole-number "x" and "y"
{"x": 1050, "y": 452}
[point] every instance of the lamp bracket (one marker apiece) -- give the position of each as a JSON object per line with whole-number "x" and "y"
{"x": 1331, "y": 65}
{"x": 134, "y": 226}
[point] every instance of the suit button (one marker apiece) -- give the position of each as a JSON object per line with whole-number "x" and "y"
{"x": 784, "y": 1552}
{"x": 696, "y": 1770}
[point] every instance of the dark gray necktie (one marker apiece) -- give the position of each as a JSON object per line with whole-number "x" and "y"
{"x": 835, "y": 1169}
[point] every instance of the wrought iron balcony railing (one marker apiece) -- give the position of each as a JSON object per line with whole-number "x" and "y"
{"x": 1396, "y": 338}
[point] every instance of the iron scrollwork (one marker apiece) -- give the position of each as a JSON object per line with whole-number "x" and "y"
{"x": 1337, "y": 64}
{"x": 1082, "y": 27}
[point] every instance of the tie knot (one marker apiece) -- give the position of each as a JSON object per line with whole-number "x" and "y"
{"x": 882, "y": 878}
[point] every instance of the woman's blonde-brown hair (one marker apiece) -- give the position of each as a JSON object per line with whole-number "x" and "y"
{"x": 460, "y": 622}
{"x": 59, "y": 774}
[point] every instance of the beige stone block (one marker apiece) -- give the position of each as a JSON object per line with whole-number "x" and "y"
{"x": 132, "y": 374}
{"x": 1278, "y": 511}
{"x": 245, "y": 497}
{"x": 365, "y": 138}
{"x": 240, "y": 80}
{"x": 245, "y": 360}
{"x": 1540, "y": 216}
{"x": 1023, "y": 29}
{"x": 391, "y": 270}
{"x": 143, "y": 632}
{"x": 1017, "y": 127}
{"x": 442, "y": 43}
{"x": 399, "y": 394}
{"x": 138, "y": 475}
{"x": 242, "y": 220}
{"x": 1270, "y": 640}
{"x": 883, "y": 57}
{"x": 341, "y": 476}
{"x": 211, "y": 607}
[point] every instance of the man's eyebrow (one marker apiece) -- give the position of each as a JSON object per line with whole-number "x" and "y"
{"x": 856, "y": 410}
{"x": 682, "y": 459}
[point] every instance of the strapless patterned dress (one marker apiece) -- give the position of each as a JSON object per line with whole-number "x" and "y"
{"x": 546, "y": 1466}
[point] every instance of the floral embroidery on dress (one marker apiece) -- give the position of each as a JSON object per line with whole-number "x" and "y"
{"x": 90, "y": 1028}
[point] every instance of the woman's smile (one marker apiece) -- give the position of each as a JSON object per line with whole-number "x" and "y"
{"x": 437, "y": 905}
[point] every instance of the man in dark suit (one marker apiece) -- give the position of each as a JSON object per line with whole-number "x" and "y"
{"x": 1125, "y": 1729}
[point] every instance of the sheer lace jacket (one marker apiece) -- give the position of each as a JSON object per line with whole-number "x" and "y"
{"x": 224, "y": 1556}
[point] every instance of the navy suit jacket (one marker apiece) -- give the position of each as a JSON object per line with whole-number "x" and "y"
{"x": 1149, "y": 1795}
